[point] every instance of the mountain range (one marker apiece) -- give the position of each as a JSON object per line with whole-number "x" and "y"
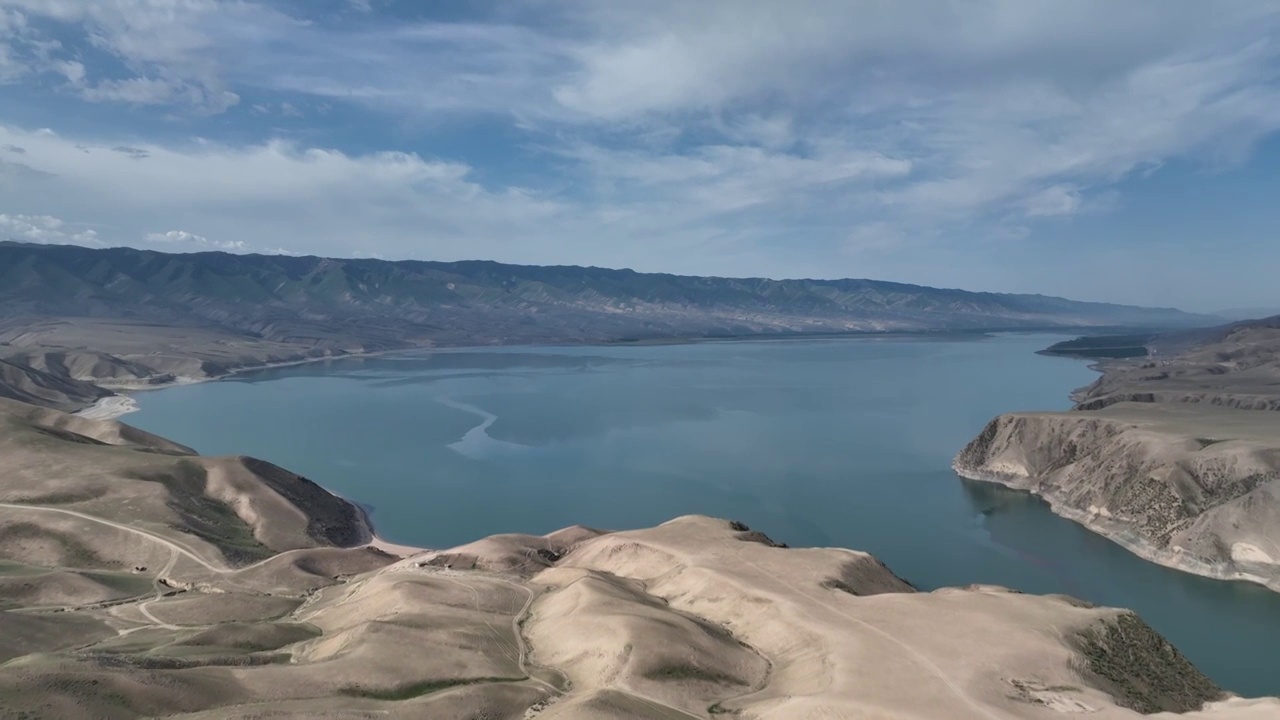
{"x": 124, "y": 317}
{"x": 282, "y": 297}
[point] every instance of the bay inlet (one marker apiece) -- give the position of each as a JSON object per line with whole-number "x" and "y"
{"x": 833, "y": 442}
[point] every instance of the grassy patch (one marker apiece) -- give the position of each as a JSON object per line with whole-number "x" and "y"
{"x": 124, "y": 583}
{"x": 63, "y": 498}
{"x": 1102, "y": 347}
{"x": 840, "y": 585}
{"x": 163, "y": 662}
{"x": 1142, "y": 670}
{"x": 691, "y": 672}
{"x": 13, "y": 569}
{"x": 208, "y": 519}
{"x": 252, "y": 637}
{"x": 418, "y": 689}
{"x": 72, "y": 552}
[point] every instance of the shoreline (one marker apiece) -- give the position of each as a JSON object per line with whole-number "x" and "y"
{"x": 1172, "y": 560}
{"x": 116, "y": 406}
{"x": 109, "y": 408}
{"x": 371, "y": 539}
{"x": 122, "y": 403}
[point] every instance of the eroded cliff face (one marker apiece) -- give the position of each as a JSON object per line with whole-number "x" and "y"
{"x": 1191, "y": 488}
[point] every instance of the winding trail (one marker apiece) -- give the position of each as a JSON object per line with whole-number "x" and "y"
{"x": 158, "y": 580}
{"x": 173, "y": 546}
{"x": 522, "y": 657}
{"x": 176, "y": 547}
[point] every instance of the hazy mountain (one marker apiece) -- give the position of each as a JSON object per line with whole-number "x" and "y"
{"x": 1248, "y": 313}
{"x": 330, "y": 302}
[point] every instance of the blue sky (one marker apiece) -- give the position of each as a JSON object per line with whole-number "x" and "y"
{"x": 1086, "y": 148}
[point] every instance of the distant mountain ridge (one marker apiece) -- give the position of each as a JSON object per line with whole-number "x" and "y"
{"x": 126, "y": 318}
{"x": 323, "y": 300}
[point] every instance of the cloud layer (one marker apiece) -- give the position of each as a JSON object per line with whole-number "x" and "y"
{"x": 807, "y": 138}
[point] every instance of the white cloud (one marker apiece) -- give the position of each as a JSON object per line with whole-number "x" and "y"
{"x": 873, "y": 237}
{"x": 10, "y": 67}
{"x": 719, "y": 136}
{"x": 72, "y": 70}
{"x": 158, "y": 91}
{"x": 163, "y": 46}
{"x": 1055, "y": 200}
{"x": 45, "y": 229}
{"x": 176, "y": 236}
{"x": 991, "y": 105}
{"x": 189, "y": 238}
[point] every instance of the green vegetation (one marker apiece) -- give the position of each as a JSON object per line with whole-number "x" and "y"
{"x": 840, "y": 585}
{"x": 252, "y": 637}
{"x": 72, "y": 552}
{"x": 1103, "y": 346}
{"x": 1142, "y": 670}
{"x": 691, "y": 672}
{"x": 206, "y": 518}
{"x": 63, "y": 498}
{"x": 164, "y": 662}
{"x": 126, "y": 584}
{"x": 418, "y": 689}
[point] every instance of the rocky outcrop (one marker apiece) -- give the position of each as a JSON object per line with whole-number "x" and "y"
{"x": 1175, "y": 456}
{"x": 1207, "y": 397}
{"x": 1193, "y": 491}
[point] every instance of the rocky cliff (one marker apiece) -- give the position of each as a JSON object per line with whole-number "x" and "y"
{"x": 1175, "y": 456}
{"x": 1207, "y": 504}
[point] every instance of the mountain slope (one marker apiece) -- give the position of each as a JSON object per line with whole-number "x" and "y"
{"x": 20, "y": 382}
{"x": 309, "y": 298}
{"x": 127, "y": 318}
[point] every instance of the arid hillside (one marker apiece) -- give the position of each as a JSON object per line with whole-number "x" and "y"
{"x": 139, "y": 579}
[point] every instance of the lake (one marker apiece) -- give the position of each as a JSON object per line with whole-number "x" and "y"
{"x": 826, "y": 442}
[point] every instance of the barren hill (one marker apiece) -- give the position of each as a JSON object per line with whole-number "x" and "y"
{"x": 138, "y": 579}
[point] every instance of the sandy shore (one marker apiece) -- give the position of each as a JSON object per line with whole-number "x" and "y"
{"x": 113, "y": 407}
{"x": 109, "y": 408}
{"x": 391, "y": 548}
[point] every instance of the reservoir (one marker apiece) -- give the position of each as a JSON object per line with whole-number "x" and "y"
{"x": 825, "y": 442}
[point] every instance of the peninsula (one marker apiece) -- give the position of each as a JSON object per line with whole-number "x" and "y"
{"x": 1174, "y": 454}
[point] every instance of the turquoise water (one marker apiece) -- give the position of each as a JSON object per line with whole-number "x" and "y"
{"x": 841, "y": 442}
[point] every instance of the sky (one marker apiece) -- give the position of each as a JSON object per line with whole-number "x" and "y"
{"x": 1118, "y": 151}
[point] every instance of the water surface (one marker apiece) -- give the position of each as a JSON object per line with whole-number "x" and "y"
{"x": 843, "y": 442}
